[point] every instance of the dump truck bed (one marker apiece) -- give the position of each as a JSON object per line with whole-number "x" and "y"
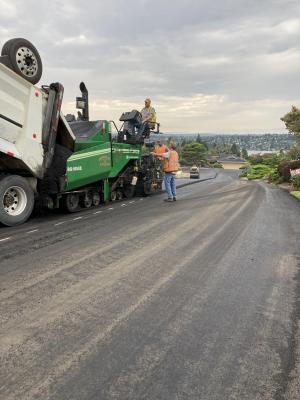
{"x": 23, "y": 109}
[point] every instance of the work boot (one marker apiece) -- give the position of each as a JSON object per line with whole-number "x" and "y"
{"x": 169, "y": 199}
{"x": 174, "y": 198}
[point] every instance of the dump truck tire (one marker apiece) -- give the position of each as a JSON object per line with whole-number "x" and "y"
{"x": 24, "y": 59}
{"x": 87, "y": 200}
{"x": 5, "y": 48}
{"x": 71, "y": 202}
{"x": 119, "y": 195}
{"x": 16, "y": 200}
{"x": 96, "y": 199}
{"x": 113, "y": 195}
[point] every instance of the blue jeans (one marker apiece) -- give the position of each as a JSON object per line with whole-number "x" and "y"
{"x": 170, "y": 184}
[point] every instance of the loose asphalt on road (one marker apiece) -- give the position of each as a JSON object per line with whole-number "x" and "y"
{"x": 142, "y": 299}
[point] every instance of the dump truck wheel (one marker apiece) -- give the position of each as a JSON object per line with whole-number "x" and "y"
{"x": 5, "y": 47}
{"x": 87, "y": 200}
{"x": 16, "y": 200}
{"x": 119, "y": 195}
{"x": 113, "y": 195}
{"x": 71, "y": 202}
{"x": 96, "y": 198}
{"x": 24, "y": 59}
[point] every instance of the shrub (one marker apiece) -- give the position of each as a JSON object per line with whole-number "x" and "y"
{"x": 296, "y": 181}
{"x": 217, "y": 165}
{"x": 257, "y": 159}
{"x": 259, "y": 171}
{"x": 273, "y": 160}
{"x": 274, "y": 177}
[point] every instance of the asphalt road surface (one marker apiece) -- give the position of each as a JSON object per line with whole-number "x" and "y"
{"x": 142, "y": 299}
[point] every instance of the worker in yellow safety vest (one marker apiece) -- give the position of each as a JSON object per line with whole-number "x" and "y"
{"x": 170, "y": 167}
{"x": 149, "y": 114}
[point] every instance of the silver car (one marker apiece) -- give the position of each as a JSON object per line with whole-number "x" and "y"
{"x": 194, "y": 172}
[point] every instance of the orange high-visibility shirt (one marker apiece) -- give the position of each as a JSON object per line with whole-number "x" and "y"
{"x": 161, "y": 149}
{"x": 171, "y": 161}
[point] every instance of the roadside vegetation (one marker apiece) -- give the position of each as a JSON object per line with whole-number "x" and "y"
{"x": 275, "y": 168}
{"x": 278, "y": 168}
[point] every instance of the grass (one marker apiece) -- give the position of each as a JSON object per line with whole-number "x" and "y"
{"x": 296, "y": 194}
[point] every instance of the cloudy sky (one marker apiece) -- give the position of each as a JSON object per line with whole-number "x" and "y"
{"x": 208, "y": 66}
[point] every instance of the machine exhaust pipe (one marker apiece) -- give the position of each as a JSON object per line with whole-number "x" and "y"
{"x": 82, "y": 103}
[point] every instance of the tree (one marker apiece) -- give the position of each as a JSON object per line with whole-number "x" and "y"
{"x": 198, "y": 139}
{"x": 244, "y": 153}
{"x": 194, "y": 153}
{"x": 235, "y": 149}
{"x": 292, "y": 122}
{"x": 294, "y": 153}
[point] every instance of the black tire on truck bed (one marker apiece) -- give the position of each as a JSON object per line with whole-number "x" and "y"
{"x": 24, "y": 59}
{"x": 16, "y": 200}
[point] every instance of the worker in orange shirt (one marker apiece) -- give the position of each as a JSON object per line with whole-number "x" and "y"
{"x": 170, "y": 167}
{"x": 160, "y": 148}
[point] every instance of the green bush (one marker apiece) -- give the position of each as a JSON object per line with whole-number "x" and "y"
{"x": 273, "y": 160}
{"x": 256, "y": 159}
{"x": 217, "y": 165}
{"x": 275, "y": 177}
{"x": 296, "y": 181}
{"x": 260, "y": 171}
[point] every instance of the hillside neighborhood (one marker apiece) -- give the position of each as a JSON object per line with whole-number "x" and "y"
{"x": 251, "y": 142}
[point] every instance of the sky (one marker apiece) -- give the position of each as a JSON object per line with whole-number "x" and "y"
{"x": 223, "y": 66}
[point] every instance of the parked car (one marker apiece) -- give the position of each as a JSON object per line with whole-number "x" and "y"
{"x": 194, "y": 172}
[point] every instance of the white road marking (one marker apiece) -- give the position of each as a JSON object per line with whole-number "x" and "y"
{"x": 96, "y": 212}
{"x": 141, "y": 199}
{"x": 2, "y": 240}
{"x": 34, "y": 230}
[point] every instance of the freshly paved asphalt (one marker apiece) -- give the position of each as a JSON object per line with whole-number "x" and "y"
{"x": 142, "y": 299}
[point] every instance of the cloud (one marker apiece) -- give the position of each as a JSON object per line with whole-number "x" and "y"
{"x": 207, "y": 65}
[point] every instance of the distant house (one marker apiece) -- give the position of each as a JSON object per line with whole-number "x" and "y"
{"x": 231, "y": 161}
